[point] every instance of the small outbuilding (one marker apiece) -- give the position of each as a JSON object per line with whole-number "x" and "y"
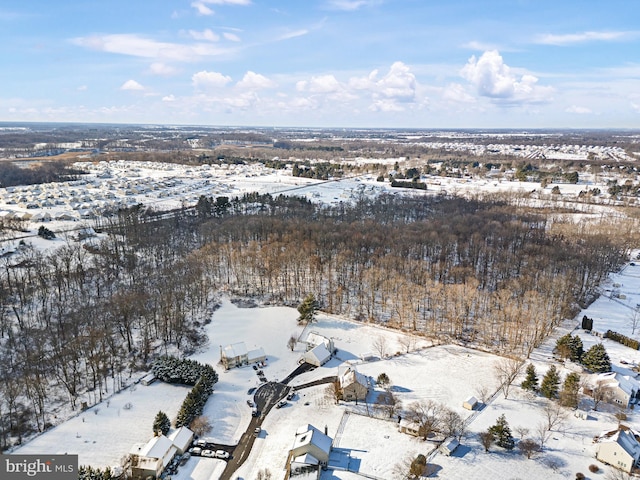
{"x": 470, "y": 403}
{"x": 448, "y": 447}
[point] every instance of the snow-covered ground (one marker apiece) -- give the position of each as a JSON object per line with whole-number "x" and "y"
{"x": 447, "y": 374}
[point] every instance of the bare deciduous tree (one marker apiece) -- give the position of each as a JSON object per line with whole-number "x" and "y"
{"x": 506, "y": 372}
{"x": 528, "y": 447}
{"x": 334, "y": 391}
{"x": 428, "y": 415}
{"x": 389, "y": 403}
{"x": 600, "y": 392}
{"x": 380, "y": 346}
{"x": 453, "y": 424}
{"x": 522, "y": 431}
{"x": 542, "y": 434}
{"x": 407, "y": 342}
{"x": 200, "y": 425}
{"x": 486, "y": 439}
{"x": 555, "y": 415}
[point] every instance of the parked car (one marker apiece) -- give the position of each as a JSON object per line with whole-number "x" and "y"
{"x": 291, "y": 395}
{"x": 255, "y": 367}
{"x": 281, "y": 403}
{"x": 195, "y": 451}
{"x": 257, "y": 431}
{"x": 251, "y": 391}
{"x": 208, "y": 453}
{"x": 255, "y": 412}
{"x": 250, "y": 403}
{"x": 221, "y": 454}
{"x": 185, "y": 458}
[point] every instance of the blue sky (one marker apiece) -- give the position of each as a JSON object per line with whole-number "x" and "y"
{"x": 326, "y": 63}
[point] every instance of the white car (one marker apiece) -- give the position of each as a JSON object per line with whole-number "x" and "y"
{"x": 208, "y": 453}
{"x": 221, "y": 454}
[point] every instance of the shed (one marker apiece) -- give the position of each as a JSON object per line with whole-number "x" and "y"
{"x": 470, "y": 403}
{"x": 448, "y": 447}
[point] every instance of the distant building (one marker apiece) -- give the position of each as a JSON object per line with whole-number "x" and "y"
{"x": 410, "y": 427}
{"x": 314, "y": 339}
{"x": 449, "y": 446}
{"x": 621, "y": 450}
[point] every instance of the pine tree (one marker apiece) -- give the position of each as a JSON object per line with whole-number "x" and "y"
{"x": 502, "y": 433}
{"x": 531, "y": 380}
{"x": 569, "y": 393}
{"x": 550, "y": 383}
{"x": 161, "y": 424}
{"x": 596, "y": 359}
{"x": 307, "y": 309}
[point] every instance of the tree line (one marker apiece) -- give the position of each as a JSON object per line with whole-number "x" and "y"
{"x": 76, "y": 322}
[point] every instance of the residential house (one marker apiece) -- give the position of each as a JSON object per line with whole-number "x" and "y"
{"x": 181, "y": 439}
{"x": 354, "y": 385}
{"x": 237, "y": 355}
{"x": 151, "y": 459}
{"x": 314, "y": 339}
{"x": 621, "y": 450}
{"x": 311, "y": 449}
{"x": 318, "y": 355}
{"x": 623, "y": 389}
{"x": 409, "y": 427}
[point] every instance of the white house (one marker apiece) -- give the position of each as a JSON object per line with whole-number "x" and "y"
{"x": 318, "y": 355}
{"x": 151, "y": 459}
{"x": 314, "y": 339}
{"x": 623, "y": 389}
{"x": 181, "y": 439}
{"x": 310, "y": 449}
{"x": 621, "y": 450}
{"x": 236, "y": 355}
{"x": 354, "y": 385}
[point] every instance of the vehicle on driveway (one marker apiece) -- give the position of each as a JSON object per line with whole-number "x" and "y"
{"x": 257, "y": 431}
{"x": 208, "y": 453}
{"x": 250, "y": 403}
{"x": 195, "y": 451}
{"x": 281, "y": 403}
{"x": 221, "y": 454}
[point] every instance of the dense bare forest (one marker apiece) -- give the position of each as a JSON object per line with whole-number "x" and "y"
{"x": 84, "y": 317}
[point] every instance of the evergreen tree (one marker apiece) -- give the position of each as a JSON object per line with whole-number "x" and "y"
{"x": 307, "y": 309}
{"x": 596, "y": 359}
{"x": 570, "y": 347}
{"x": 502, "y": 433}
{"x": 577, "y": 349}
{"x": 569, "y": 393}
{"x": 531, "y": 380}
{"x": 550, "y": 383}
{"x": 161, "y": 424}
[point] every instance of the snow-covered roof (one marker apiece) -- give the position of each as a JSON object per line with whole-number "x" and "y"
{"x": 627, "y": 441}
{"x": 351, "y": 376}
{"x": 255, "y": 354}
{"x": 235, "y": 350}
{"x": 306, "y": 459}
{"x": 314, "y": 338}
{"x": 157, "y": 447}
{"x": 626, "y": 383}
{"x": 308, "y": 434}
{"x": 319, "y": 353}
{"x": 181, "y": 437}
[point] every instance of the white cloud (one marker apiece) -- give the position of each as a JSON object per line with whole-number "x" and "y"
{"x": 577, "y": 109}
{"x": 385, "y": 105}
{"x": 139, "y": 46}
{"x": 635, "y": 106}
{"x": 321, "y": 84}
{"x": 202, "y": 9}
{"x": 572, "y": 38}
{"x": 159, "y": 68}
{"x": 206, "y": 80}
{"x": 169, "y": 98}
{"x": 228, "y": 2}
{"x": 131, "y": 85}
{"x": 231, "y": 36}
{"x": 350, "y": 5}
{"x": 399, "y": 84}
{"x": 494, "y": 79}
{"x": 206, "y": 34}
{"x": 254, "y": 81}
{"x": 457, "y": 93}
{"x": 82, "y": 88}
